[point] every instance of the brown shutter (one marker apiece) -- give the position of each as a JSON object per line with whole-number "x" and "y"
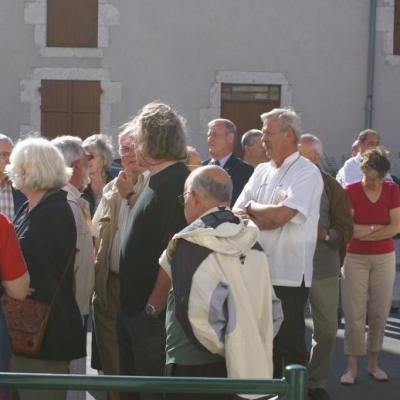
{"x": 72, "y": 23}
{"x": 70, "y": 108}
{"x": 396, "y": 30}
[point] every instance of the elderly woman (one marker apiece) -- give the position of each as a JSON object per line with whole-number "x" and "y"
{"x": 100, "y": 152}
{"x": 369, "y": 266}
{"x": 46, "y": 230}
{"x": 14, "y": 279}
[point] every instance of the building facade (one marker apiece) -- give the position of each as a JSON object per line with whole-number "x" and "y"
{"x": 83, "y": 66}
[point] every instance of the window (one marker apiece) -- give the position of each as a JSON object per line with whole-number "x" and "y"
{"x": 244, "y": 103}
{"x": 396, "y": 30}
{"x": 72, "y": 23}
{"x": 70, "y": 108}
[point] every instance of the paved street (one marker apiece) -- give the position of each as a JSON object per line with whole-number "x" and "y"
{"x": 366, "y": 388}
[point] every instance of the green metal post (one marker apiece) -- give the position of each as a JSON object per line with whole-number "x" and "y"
{"x": 296, "y": 376}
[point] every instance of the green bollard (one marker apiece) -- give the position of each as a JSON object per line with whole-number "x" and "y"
{"x": 296, "y": 375}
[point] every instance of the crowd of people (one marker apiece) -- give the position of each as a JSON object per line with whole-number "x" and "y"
{"x": 197, "y": 269}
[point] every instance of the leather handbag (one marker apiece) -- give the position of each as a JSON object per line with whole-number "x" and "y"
{"x": 26, "y": 324}
{"x": 27, "y": 320}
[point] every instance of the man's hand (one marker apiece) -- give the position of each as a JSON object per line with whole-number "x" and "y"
{"x": 125, "y": 182}
{"x": 322, "y": 232}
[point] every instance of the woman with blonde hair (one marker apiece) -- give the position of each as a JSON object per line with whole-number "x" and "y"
{"x": 46, "y": 231}
{"x": 100, "y": 151}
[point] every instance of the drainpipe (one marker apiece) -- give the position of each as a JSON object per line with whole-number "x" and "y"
{"x": 371, "y": 63}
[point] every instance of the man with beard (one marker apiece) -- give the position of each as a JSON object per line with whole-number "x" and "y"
{"x": 76, "y": 158}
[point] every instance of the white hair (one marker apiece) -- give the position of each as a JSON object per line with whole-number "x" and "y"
{"x": 36, "y": 164}
{"x": 250, "y": 136}
{"x": 6, "y": 139}
{"x": 100, "y": 145}
{"x": 315, "y": 143}
{"x": 70, "y": 147}
{"x": 287, "y": 117}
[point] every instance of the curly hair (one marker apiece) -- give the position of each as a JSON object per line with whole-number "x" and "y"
{"x": 376, "y": 160}
{"x": 158, "y": 132}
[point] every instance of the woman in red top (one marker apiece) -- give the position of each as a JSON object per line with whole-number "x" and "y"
{"x": 14, "y": 280}
{"x": 369, "y": 267}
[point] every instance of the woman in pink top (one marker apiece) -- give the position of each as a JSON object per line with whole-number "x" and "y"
{"x": 369, "y": 267}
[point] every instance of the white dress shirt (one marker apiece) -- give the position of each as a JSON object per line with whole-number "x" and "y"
{"x": 84, "y": 259}
{"x": 296, "y": 184}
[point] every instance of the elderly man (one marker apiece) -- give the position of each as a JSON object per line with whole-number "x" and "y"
{"x": 76, "y": 158}
{"x": 282, "y": 198}
{"x": 254, "y": 152}
{"x": 10, "y": 199}
{"x": 160, "y": 146}
{"x": 335, "y": 228}
{"x": 350, "y": 172}
{"x": 109, "y": 226}
{"x": 218, "y": 269}
{"x": 221, "y": 139}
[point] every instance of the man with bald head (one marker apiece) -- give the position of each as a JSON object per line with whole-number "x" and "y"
{"x": 335, "y": 228}
{"x": 219, "y": 274}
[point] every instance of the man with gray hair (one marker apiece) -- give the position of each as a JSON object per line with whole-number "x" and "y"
{"x": 76, "y": 158}
{"x": 254, "y": 152}
{"x": 335, "y": 228}
{"x": 216, "y": 268}
{"x": 282, "y": 198}
{"x": 11, "y": 199}
{"x": 221, "y": 138}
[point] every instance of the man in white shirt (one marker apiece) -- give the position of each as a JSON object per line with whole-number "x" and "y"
{"x": 282, "y": 198}
{"x": 76, "y": 158}
{"x": 350, "y": 172}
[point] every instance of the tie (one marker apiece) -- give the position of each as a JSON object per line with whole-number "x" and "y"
{"x": 83, "y": 204}
{"x": 215, "y": 162}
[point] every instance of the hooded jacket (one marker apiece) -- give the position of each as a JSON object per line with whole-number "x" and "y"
{"x": 222, "y": 291}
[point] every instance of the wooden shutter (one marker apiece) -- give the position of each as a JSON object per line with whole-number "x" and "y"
{"x": 70, "y": 108}
{"x": 245, "y": 113}
{"x": 396, "y": 30}
{"x": 72, "y": 23}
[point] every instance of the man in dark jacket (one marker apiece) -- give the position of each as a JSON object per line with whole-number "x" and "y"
{"x": 335, "y": 229}
{"x": 221, "y": 139}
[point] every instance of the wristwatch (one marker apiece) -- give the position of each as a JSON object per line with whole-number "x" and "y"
{"x": 151, "y": 311}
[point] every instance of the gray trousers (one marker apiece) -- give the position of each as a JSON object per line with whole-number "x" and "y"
{"x": 324, "y": 297}
{"x": 23, "y": 364}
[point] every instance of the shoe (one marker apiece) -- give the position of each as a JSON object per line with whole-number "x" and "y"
{"x": 318, "y": 394}
{"x": 348, "y": 379}
{"x": 379, "y": 375}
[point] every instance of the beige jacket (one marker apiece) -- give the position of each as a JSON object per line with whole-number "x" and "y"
{"x": 105, "y": 224}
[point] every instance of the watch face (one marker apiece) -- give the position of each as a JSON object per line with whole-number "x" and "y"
{"x": 151, "y": 310}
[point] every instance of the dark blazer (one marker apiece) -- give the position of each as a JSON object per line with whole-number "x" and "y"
{"x": 240, "y": 173}
{"x": 47, "y": 236}
{"x": 18, "y": 198}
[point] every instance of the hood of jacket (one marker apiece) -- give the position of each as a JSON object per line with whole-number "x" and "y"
{"x": 221, "y": 231}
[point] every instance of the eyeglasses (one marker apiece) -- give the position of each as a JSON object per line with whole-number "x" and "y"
{"x": 181, "y": 198}
{"x": 125, "y": 150}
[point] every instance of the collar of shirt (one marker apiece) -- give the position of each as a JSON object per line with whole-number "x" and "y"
{"x": 72, "y": 190}
{"x": 222, "y": 161}
{"x": 287, "y": 160}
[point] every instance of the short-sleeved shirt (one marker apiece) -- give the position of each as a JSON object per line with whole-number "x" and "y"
{"x": 296, "y": 184}
{"x": 156, "y": 217}
{"x": 12, "y": 262}
{"x": 368, "y": 213}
